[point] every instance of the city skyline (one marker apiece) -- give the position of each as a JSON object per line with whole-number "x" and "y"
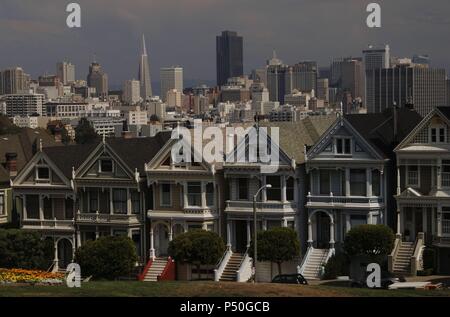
{"x": 193, "y": 47}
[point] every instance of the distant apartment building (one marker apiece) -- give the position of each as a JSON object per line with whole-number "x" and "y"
{"x": 65, "y": 110}
{"x": 14, "y": 81}
{"x": 298, "y": 99}
{"x": 171, "y": 78}
{"x": 32, "y": 122}
{"x": 174, "y": 98}
{"x": 304, "y": 76}
{"x": 155, "y": 107}
{"x": 23, "y": 104}
{"x": 65, "y": 72}
{"x": 131, "y": 92}
{"x": 137, "y": 117}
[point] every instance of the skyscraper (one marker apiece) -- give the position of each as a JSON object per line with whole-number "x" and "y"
{"x": 352, "y": 78}
{"x": 65, "y": 72}
{"x": 304, "y": 76}
{"x": 14, "y": 81}
{"x": 171, "y": 78}
{"x": 144, "y": 73}
{"x": 405, "y": 84}
{"x": 98, "y": 79}
{"x": 230, "y": 56}
{"x": 131, "y": 92}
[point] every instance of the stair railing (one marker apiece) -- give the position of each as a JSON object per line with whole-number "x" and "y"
{"x": 168, "y": 273}
{"x": 245, "y": 268}
{"x": 393, "y": 255}
{"x": 301, "y": 267}
{"x": 418, "y": 249}
{"x": 141, "y": 276}
{"x": 220, "y": 266}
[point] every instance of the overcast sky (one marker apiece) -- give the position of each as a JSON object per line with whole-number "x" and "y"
{"x": 34, "y": 35}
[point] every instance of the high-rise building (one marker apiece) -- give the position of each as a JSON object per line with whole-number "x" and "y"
{"x": 229, "y": 56}
{"x": 144, "y": 73}
{"x": 406, "y": 84}
{"x": 131, "y": 92}
{"x": 23, "y": 105}
{"x": 421, "y": 59}
{"x": 374, "y": 58}
{"x": 65, "y": 72}
{"x": 171, "y": 78}
{"x": 14, "y": 81}
{"x": 322, "y": 89}
{"x": 174, "y": 98}
{"x": 98, "y": 79}
{"x": 448, "y": 92}
{"x": 304, "y": 76}
{"x": 279, "y": 82}
{"x": 352, "y": 78}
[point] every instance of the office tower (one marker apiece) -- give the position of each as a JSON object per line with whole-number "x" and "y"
{"x": 98, "y": 79}
{"x": 406, "y": 84}
{"x": 174, "y": 98}
{"x": 260, "y": 76}
{"x": 352, "y": 78}
{"x": 171, "y": 78}
{"x": 374, "y": 58}
{"x": 448, "y": 92}
{"x": 229, "y": 56}
{"x": 322, "y": 89}
{"x": 23, "y": 104}
{"x": 144, "y": 73}
{"x": 279, "y": 82}
{"x": 304, "y": 76}
{"x": 65, "y": 72}
{"x": 421, "y": 59}
{"x": 131, "y": 92}
{"x": 14, "y": 81}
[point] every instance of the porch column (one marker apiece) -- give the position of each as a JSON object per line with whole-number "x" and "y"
{"x": 399, "y": 189}
{"x": 41, "y": 207}
{"x": 203, "y": 188}
{"x": 284, "y": 223}
{"x": 111, "y": 201}
{"x": 249, "y": 234}
{"x": 369, "y": 218}
{"x": 399, "y": 221}
{"x": 152, "y": 244}
{"x": 56, "y": 259}
{"x": 171, "y": 231}
{"x": 185, "y": 195}
{"x": 332, "y": 233}
{"x": 264, "y": 224}
{"x": 310, "y": 233}
{"x": 128, "y": 202}
{"x": 264, "y": 191}
{"x": 347, "y": 181}
{"x": 283, "y": 188}
{"x": 97, "y": 235}
{"x": 424, "y": 220}
{"x": 348, "y": 223}
{"x": 78, "y": 238}
{"x": 24, "y": 202}
{"x": 229, "y": 234}
{"x": 369, "y": 182}
{"x": 439, "y": 175}
{"x": 439, "y": 221}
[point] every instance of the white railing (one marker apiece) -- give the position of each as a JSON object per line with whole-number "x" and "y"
{"x": 261, "y": 205}
{"x": 245, "y": 269}
{"x": 107, "y": 218}
{"x": 222, "y": 264}
{"x": 49, "y": 224}
{"x": 301, "y": 268}
{"x": 343, "y": 200}
{"x": 416, "y": 258}
{"x": 445, "y": 179}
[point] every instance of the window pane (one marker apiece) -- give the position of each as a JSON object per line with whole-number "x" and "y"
{"x": 442, "y": 135}
{"x": 375, "y": 183}
{"x": 274, "y": 193}
{"x": 106, "y": 166}
{"x": 120, "y": 201}
{"x": 43, "y": 173}
{"x": 194, "y": 194}
{"x": 2, "y": 204}
{"x": 347, "y": 146}
{"x": 93, "y": 201}
{"x": 32, "y": 204}
{"x": 324, "y": 182}
{"x": 339, "y": 147}
{"x": 242, "y": 188}
{"x": 135, "y": 202}
{"x": 165, "y": 195}
{"x": 210, "y": 194}
{"x": 48, "y": 214}
{"x": 290, "y": 189}
{"x": 358, "y": 182}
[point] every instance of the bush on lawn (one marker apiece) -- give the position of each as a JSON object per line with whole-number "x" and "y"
{"x": 337, "y": 265}
{"x": 197, "y": 247}
{"x": 277, "y": 245}
{"x": 372, "y": 241}
{"x": 107, "y": 257}
{"x": 25, "y": 250}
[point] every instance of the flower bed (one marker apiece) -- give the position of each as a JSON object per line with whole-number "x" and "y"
{"x": 29, "y": 276}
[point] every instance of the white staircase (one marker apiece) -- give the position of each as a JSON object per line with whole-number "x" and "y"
{"x": 155, "y": 270}
{"x": 315, "y": 258}
{"x": 230, "y": 272}
{"x": 402, "y": 262}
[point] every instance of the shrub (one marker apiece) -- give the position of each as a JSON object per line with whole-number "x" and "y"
{"x": 25, "y": 250}
{"x": 277, "y": 245}
{"x": 197, "y": 247}
{"x": 337, "y": 265}
{"x": 373, "y": 241}
{"x": 107, "y": 257}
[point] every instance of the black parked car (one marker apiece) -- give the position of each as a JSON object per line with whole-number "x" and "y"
{"x": 290, "y": 279}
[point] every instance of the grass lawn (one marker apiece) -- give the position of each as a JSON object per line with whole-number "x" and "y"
{"x": 202, "y": 289}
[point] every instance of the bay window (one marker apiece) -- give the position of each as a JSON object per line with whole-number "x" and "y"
{"x": 194, "y": 193}
{"x": 274, "y": 193}
{"x": 120, "y": 201}
{"x": 358, "y": 182}
{"x": 166, "y": 195}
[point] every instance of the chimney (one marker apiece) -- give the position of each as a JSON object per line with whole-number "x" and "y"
{"x": 58, "y": 134}
{"x": 11, "y": 163}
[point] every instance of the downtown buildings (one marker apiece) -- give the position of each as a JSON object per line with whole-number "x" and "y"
{"x": 229, "y": 56}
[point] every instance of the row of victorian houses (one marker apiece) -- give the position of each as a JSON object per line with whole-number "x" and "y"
{"x": 335, "y": 173}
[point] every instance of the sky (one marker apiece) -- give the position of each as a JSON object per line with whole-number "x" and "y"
{"x": 34, "y": 34}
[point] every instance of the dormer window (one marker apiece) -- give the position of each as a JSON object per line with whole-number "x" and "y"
{"x": 43, "y": 173}
{"x": 438, "y": 134}
{"x": 106, "y": 166}
{"x": 343, "y": 146}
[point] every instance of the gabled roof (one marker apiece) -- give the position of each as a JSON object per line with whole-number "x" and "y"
{"x": 295, "y": 135}
{"x": 378, "y": 128}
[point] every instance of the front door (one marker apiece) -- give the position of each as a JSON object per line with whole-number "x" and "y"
{"x": 162, "y": 241}
{"x": 418, "y": 222}
{"x": 323, "y": 230}
{"x": 241, "y": 236}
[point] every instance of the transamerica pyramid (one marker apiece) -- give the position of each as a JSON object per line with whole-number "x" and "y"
{"x": 144, "y": 73}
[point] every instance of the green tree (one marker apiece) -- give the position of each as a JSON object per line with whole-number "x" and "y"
{"x": 107, "y": 258}
{"x": 373, "y": 241}
{"x": 84, "y": 132}
{"x": 277, "y": 245}
{"x": 197, "y": 247}
{"x": 25, "y": 250}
